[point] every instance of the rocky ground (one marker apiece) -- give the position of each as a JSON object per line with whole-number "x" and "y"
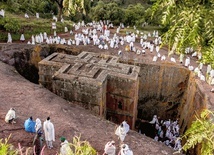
{"x": 69, "y": 119}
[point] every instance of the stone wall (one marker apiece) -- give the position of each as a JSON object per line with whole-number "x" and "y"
{"x": 161, "y": 89}
{"x": 97, "y": 82}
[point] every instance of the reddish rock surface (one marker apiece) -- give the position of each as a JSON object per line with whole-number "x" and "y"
{"x": 69, "y": 120}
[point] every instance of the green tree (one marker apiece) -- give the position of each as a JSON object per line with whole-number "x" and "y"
{"x": 60, "y": 8}
{"x": 107, "y": 11}
{"x": 188, "y": 23}
{"x": 134, "y": 14}
{"x": 201, "y": 132}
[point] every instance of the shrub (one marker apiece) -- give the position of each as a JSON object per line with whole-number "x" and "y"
{"x": 10, "y": 24}
{"x": 82, "y": 147}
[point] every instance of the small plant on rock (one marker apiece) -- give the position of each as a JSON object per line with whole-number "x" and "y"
{"x": 201, "y": 132}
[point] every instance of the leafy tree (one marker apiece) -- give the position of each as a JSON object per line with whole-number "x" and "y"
{"x": 60, "y": 8}
{"x": 107, "y": 11}
{"x": 10, "y": 24}
{"x": 134, "y": 14}
{"x": 201, "y": 132}
{"x": 98, "y": 12}
{"x": 188, "y": 24}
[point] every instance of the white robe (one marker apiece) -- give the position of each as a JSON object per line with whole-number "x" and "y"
{"x": 9, "y": 40}
{"x": 121, "y": 131}
{"x": 125, "y": 150}
{"x": 48, "y": 128}
{"x": 110, "y": 149}
{"x": 65, "y": 149}
{"x": 126, "y": 126}
{"x": 38, "y": 125}
{"x": 22, "y": 38}
{"x": 11, "y": 114}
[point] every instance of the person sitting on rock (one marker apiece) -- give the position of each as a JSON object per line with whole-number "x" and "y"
{"x": 30, "y": 125}
{"x": 10, "y": 116}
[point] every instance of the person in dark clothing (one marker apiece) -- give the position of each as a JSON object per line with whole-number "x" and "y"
{"x": 38, "y": 143}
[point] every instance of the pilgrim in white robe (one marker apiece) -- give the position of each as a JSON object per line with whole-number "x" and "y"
{"x": 187, "y": 62}
{"x": 38, "y": 126}
{"x": 26, "y": 15}
{"x": 163, "y": 57}
{"x": 121, "y": 132}
{"x": 49, "y": 131}
{"x": 10, "y": 116}
{"x": 65, "y": 148}
{"x": 154, "y": 120}
{"x": 110, "y": 148}
{"x": 155, "y": 58}
{"x": 37, "y": 15}
{"x": 125, "y": 150}
{"x": 9, "y": 40}
{"x": 22, "y": 38}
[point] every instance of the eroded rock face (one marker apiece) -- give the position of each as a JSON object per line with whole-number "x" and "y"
{"x": 164, "y": 89}
{"x": 161, "y": 89}
{"x": 26, "y": 57}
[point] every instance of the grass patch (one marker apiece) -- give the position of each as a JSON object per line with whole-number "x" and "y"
{"x": 32, "y": 26}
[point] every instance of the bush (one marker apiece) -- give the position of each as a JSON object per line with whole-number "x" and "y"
{"x": 6, "y": 148}
{"x": 10, "y": 24}
{"x": 82, "y": 147}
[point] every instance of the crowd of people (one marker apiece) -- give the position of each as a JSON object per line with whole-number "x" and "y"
{"x": 99, "y": 34}
{"x": 167, "y": 132}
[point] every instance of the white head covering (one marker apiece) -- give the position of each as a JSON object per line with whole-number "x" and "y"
{"x": 38, "y": 124}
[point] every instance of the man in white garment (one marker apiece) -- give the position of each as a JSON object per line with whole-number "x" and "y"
{"x": 65, "y": 148}
{"x": 48, "y": 128}
{"x": 122, "y": 130}
{"x": 10, "y": 116}
{"x": 110, "y": 148}
{"x": 125, "y": 150}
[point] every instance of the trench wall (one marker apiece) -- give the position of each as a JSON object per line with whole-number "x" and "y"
{"x": 162, "y": 87}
